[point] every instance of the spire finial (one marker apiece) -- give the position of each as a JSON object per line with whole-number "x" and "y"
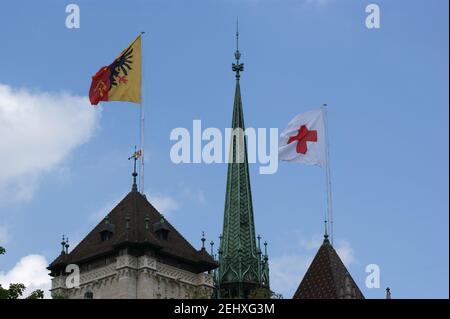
{"x": 203, "y": 240}
{"x": 135, "y": 156}
{"x": 325, "y": 236}
{"x": 67, "y": 245}
{"x": 265, "y": 251}
{"x": 63, "y": 244}
{"x": 237, "y": 67}
{"x": 237, "y": 34}
{"x": 388, "y": 293}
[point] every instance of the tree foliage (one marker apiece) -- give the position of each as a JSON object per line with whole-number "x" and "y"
{"x": 264, "y": 293}
{"x": 58, "y": 296}
{"x": 37, "y": 294}
{"x": 200, "y": 294}
{"x": 16, "y": 290}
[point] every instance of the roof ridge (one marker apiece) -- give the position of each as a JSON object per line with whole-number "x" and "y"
{"x": 332, "y": 254}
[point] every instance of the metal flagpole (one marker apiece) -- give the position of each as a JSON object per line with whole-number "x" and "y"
{"x": 328, "y": 175}
{"x": 142, "y": 124}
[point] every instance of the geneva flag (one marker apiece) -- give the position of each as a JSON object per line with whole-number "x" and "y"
{"x": 304, "y": 139}
{"x": 121, "y": 80}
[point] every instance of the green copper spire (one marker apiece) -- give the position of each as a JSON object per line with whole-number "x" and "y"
{"x": 242, "y": 266}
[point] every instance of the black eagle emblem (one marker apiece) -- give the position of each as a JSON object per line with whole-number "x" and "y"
{"x": 122, "y": 63}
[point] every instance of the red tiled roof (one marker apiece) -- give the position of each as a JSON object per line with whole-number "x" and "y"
{"x": 326, "y": 277}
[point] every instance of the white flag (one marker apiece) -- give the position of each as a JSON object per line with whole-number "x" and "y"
{"x": 304, "y": 139}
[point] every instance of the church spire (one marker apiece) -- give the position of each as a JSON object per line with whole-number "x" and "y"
{"x": 239, "y": 258}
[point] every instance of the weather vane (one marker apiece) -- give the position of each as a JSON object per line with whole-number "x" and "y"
{"x": 135, "y": 156}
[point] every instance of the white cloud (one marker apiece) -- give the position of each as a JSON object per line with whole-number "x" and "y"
{"x": 286, "y": 272}
{"x": 164, "y": 204}
{"x": 30, "y": 271}
{"x": 38, "y": 130}
{"x": 197, "y": 195}
{"x": 311, "y": 244}
{"x": 345, "y": 252}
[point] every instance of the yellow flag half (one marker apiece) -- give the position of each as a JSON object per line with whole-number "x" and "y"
{"x": 121, "y": 80}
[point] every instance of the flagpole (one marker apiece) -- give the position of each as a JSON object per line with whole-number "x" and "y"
{"x": 142, "y": 122}
{"x": 328, "y": 176}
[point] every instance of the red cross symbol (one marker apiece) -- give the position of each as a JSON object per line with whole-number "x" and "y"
{"x": 303, "y": 136}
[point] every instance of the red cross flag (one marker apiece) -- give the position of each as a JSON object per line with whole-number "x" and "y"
{"x": 304, "y": 139}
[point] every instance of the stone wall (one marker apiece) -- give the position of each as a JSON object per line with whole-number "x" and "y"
{"x": 135, "y": 278}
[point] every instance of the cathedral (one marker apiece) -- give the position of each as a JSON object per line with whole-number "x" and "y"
{"x": 135, "y": 253}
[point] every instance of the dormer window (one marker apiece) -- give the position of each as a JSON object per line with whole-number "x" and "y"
{"x": 105, "y": 235}
{"x": 161, "y": 229}
{"x": 163, "y": 234}
{"x": 107, "y": 230}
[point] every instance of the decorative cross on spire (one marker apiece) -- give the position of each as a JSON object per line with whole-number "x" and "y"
{"x": 237, "y": 67}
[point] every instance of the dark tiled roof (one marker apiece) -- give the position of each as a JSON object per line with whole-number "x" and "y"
{"x": 327, "y": 278}
{"x": 142, "y": 217}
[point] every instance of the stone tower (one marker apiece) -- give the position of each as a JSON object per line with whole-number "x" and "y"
{"x": 242, "y": 266}
{"x": 133, "y": 253}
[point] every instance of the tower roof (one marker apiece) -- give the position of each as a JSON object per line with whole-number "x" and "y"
{"x": 136, "y": 223}
{"x": 327, "y": 278}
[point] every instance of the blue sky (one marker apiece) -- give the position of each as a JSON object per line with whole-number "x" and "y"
{"x": 387, "y": 91}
